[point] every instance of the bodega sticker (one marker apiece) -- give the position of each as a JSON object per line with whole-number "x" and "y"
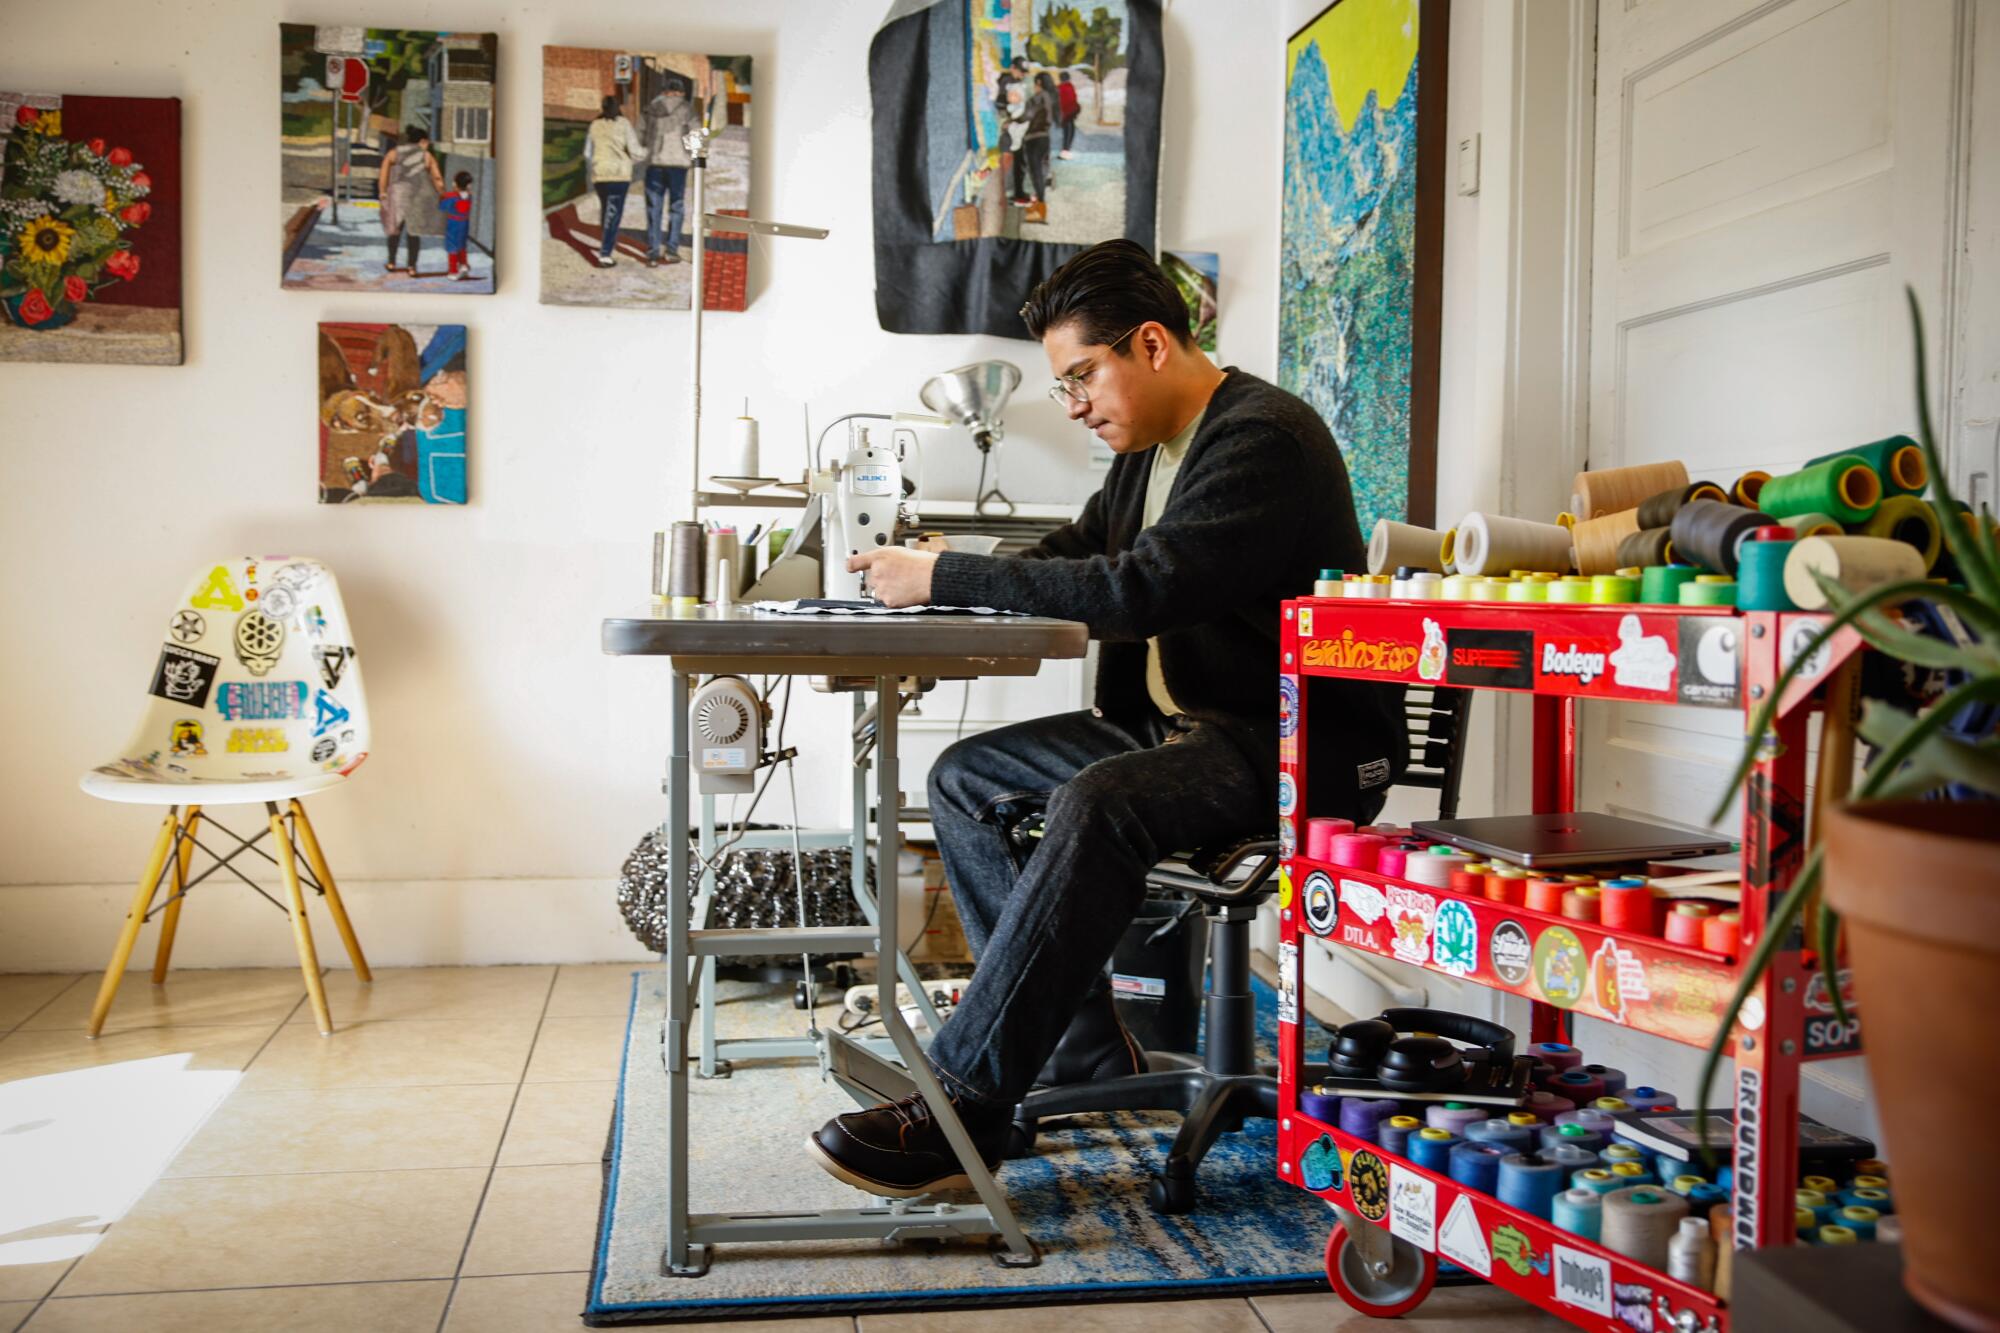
{"x": 1322, "y": 903}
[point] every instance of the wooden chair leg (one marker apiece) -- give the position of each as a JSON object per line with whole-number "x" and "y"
{"x": 142, "y": 902}
{"x": 317, "y": 860}
{"x": 301, "y": 929}
{"x": 170, "y": 920}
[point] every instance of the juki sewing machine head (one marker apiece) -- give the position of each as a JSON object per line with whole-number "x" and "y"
{"x": 872, "y": 496}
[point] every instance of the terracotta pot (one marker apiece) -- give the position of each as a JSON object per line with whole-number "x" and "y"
{"x": 1918, "y": 885}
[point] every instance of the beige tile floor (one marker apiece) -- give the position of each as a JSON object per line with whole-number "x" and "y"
{"x": 433, "y": 1166}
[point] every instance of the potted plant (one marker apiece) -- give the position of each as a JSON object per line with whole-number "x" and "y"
{"x": 65, "y": 213}
{"x": 1911, "y": 865}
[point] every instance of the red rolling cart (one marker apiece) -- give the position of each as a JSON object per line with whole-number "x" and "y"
{"x": 1396, "y": 1219}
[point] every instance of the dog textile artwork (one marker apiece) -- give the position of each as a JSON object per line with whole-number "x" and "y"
{"x": 1008, "y": 136}
{"x": 1081, "y": 1196}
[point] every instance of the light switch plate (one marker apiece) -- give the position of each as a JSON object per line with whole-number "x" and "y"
{"x": 1468, "y": 165}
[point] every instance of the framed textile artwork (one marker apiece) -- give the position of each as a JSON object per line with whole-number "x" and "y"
{"x": 1361, "y": 242}
{"x": 388, "y": 170}
{"x": 90, "y": 229}
{"x": 616, "y": 201}
{"x": 392, "y": 401}
{"x": 1008, "y": 135}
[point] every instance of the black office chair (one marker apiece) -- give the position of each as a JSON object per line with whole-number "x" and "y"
{"x": 1228, "y": 1084}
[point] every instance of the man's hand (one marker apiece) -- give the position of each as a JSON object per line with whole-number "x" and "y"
{"x": 897, "y": 577}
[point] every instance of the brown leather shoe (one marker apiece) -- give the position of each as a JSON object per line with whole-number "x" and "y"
{"x": 899, "y": 1150}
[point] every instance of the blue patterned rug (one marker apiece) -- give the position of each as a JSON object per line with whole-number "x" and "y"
{"x": 1082, "y": 1198}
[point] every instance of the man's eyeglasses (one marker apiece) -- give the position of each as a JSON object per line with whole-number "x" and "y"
{"x": 1071, "y": 388}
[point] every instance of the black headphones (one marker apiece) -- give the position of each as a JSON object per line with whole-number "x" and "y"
{"x": 1377, "y": 1048}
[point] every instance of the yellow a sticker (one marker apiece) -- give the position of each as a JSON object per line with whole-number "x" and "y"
{"x": 217, "y": 592}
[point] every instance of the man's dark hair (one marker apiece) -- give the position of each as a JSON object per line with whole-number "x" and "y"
{"x": 415, "y": 134}
{"x": 1112, "y": 287}
{"x": 463, "y": 180}
{"x": 1020, "y": 62}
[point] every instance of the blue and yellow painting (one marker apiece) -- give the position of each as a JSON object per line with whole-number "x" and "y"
{"x": 1347, "y": 240}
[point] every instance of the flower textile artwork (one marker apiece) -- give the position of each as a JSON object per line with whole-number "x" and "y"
{"x": 90, "y": 229}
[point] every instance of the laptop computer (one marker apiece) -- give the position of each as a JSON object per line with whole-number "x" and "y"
{"x": 1575, "y": 839}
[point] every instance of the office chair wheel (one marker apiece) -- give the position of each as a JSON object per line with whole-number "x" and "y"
{"x": 1171, "y": 1195}
{"x": 1412, "y": 1273}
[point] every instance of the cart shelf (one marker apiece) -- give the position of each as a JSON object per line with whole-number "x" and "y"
{"x": 1509, "y": 1248}
{"x": 1562, "y": 654}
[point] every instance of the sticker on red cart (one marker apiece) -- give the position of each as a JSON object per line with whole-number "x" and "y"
{"x": 1633, "y": 1302}
{"x": 1368, "y": 1185}
{"x": 1510, "y": 951}
{"x": 1288, "y": 795}
{"x": 1455, "y": 938}
{"x": 1364, "y": 901}
{"x": 1617, "y": 978}
{"x": 1583, "y": 1280}
{"x": 1322, "y": 903}
{"x": 1319, "y": 1165}
{"x": 1288, "y": 981}
{"x": 1288, "y": 705}
{"x": 1516, "y": 1249}
{"x": 1560, "y": 970}
{"x": 1410, "y": 917}
{"x": 1305, "y": 622}
{"x": 1413, "y": 1207}
{"x": 1461, "y": 1241}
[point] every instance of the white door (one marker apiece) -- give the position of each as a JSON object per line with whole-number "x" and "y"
{"x": 1768, "y": 176}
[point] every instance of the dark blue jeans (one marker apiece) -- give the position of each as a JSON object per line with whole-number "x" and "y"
{"x": 1120, "y": 797}
{"x": 664, "y": 186}
{"x": 611, "y": 198}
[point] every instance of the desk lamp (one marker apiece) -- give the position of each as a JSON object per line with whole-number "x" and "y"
{"x": 974, "y": 396}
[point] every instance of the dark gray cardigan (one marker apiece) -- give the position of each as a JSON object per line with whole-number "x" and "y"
{"x": 1260, "y": 505}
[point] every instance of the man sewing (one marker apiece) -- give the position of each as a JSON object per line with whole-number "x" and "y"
{"x": 1226, "y": 496}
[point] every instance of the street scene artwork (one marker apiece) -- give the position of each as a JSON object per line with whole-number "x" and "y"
{"x": 90, "y": 229}
{"x": 1347, "y": 238}
{"x": 618, "y": 224}
{"x": 388, "y": 166}
{"x": 392, "y": 407}
{"x": 1044, "y": 123}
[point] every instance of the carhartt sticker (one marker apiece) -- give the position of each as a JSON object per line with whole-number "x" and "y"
{"x": 1288, "y": 981}
{"x": 1455, "y": 938}
{"x": 1322, "y": 903}
{"x": 1412, "y": 1207}
{"x": 1583, "y": 1280}
{"x": 1510, "y": 952}
{"x": 1710, "y": 647}
{"x": 1364, "y": 901}
{"x": 1461, "y": 1241}
{"x": 1642, "y": 661}
{"x": 184, "y": 676}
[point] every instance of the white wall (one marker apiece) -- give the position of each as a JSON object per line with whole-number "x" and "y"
{"x": 515, "y": 766}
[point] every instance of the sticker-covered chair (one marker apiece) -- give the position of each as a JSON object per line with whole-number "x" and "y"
{"x": 255, "y": 698}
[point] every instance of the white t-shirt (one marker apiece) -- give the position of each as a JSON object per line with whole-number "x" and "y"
{"x": 1159, "y": 484}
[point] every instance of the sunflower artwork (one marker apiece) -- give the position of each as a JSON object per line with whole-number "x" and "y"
{"x": 90, "y": 229}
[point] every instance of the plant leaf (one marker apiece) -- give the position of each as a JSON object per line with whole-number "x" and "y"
{"x": 1776, "y": 929}
{"x": 1827, "y": 941}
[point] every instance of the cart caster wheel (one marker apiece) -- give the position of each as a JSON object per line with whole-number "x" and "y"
{"x": 802, "y": 996}
{"x": 1412, "y": 1273}
{"x": 1021, "y": 1139}
{"x": 1171, "y": 1195}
